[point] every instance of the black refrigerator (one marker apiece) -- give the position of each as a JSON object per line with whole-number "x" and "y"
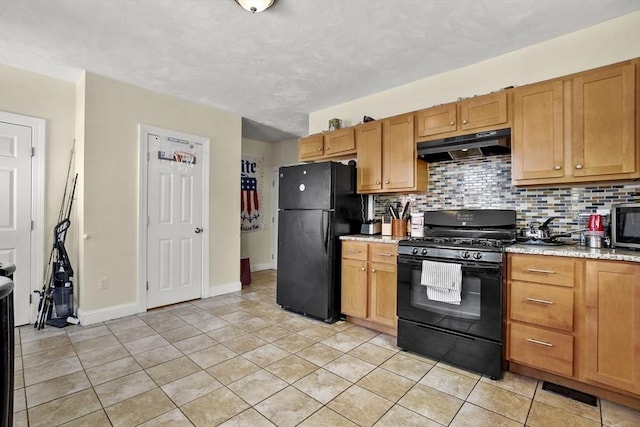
{"x": 317, "y": 204}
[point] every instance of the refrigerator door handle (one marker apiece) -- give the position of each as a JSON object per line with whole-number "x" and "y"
{"x": 326, "y": 230}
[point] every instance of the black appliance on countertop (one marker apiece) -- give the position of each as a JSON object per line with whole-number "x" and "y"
{"x": 469, "y": 335}
{"x": 317, "y": 204}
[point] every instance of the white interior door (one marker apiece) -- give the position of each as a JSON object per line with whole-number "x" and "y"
{"x": 175, "y": 235}
{"x": 15, "y": 211}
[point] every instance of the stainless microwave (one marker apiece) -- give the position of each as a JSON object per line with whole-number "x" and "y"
{"x": 625, "y": 225}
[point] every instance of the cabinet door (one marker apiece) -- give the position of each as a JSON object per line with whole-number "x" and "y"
{"x": 383, "y": 289}
{"x": 311, "y": 147}
{"x": 339, "y": 142}
{"x": 604, "y": 120}
{"x": 398, "y": 153}
{"x": 436, "y": 120}
{"x": 612, "y": 324}
{"x": 354, "y": 288}
{"x": 484, "y": 111}
{"x": 538, "y": 126}
{"x": 369, "y": 143}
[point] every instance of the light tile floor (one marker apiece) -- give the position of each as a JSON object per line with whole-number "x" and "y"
{"x": 240, "y": 360}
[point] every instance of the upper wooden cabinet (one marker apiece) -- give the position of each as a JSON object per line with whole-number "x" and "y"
{"x": 475, "y": 114}
{"x": 577, "y": 129}
{"x": 328, "y": 145}
{"x": 387, "y": 158}
{"x": 612, "y": 325}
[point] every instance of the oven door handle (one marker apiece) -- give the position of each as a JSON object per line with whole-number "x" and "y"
{"x": 466, "y": 266}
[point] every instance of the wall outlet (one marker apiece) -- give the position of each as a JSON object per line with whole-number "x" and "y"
{"x": 103, "y": 283}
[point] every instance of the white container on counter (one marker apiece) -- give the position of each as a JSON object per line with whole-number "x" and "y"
{"x": 417, "y": 225}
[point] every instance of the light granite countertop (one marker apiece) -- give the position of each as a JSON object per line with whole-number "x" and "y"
{"x": 576, "y": 252}
{"x": 372, "y": 238}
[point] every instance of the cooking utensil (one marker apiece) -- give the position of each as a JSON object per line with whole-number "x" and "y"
{"x": 405, "y": 211}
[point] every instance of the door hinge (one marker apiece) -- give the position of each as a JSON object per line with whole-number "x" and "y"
{"x": 33, "y": 151}
{"x": 147, "y": 285}
{"x": 148, "y": 156}
{"x": 31, "y": 225}
{"x": 148, "y": 221}
{"x": 30, "y": 299}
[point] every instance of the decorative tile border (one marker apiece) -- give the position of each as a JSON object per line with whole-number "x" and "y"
{"x": 485, "y": 183}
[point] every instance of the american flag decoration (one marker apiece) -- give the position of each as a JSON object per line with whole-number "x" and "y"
{"x": 251, "y": 181}
{"x": 249, "y": 197}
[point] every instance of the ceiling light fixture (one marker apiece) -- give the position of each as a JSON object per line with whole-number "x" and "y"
{"x": 254, "y": 6}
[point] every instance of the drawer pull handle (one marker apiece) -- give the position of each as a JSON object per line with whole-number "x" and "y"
{"x": 531, "y": 340}
{"x": 385, "y": 254}
{"x": 353, "y": 251}
{"x": 541, "y": 301}
{"x": 535, "y": 270}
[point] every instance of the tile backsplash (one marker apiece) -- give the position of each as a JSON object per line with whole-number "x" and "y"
{"x": 485, "y": 183}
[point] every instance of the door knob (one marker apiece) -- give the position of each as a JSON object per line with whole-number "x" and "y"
{"x": 199, "y": 230}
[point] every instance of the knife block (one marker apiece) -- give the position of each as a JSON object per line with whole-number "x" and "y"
{"x": 386, "y": 227}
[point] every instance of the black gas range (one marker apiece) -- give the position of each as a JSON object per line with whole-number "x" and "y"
{"x": 462, "y": 323}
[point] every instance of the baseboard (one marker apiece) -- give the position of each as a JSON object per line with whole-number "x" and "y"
{"x": 225, "y": 289}
{"x": 104, "y": 314}
{"x": 260, "y": 267}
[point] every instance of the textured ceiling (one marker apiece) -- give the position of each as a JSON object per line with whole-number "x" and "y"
{"x": 274, "y": 68}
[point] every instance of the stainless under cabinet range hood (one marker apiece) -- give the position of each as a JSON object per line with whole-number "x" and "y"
{"x": 460, "y": 147}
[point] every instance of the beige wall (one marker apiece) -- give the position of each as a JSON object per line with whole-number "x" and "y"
{"x": 109, "y": 191}
{"x": 285, "y": 152}
{"x": 256, "y": 245}
{"x": 602, "y": 44}
{"x": 31, "y": 94}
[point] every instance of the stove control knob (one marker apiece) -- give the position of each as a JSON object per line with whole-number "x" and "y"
{"x": 466, "y": 254}
{"x": 424, "y": 251}
{"x": 414, "y": 251}
{"x": 477, "y": 255}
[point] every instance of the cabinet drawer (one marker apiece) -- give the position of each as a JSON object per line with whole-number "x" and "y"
{"x": 543, "y": 305}
{"x": 385, "y": 253}
{"x": 551, "y": 270}
{"x": 539, "y": 348}
{"x": 354, "y": 250}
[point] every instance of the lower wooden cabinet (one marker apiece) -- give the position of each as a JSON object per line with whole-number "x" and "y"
{"x": 369, "y": 283}
{"x": 576, "y": 319}
{"x": 612, "y": 325}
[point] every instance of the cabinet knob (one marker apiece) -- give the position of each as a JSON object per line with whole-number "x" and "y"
{"x": 377, "y": 182}
{"x": 361, "y": 268}
{"x": 319, "y": 149}
{"x": 557, "y": 167}
{"x": 373, "y": 270}
{"x": 387, "y": 181}
{"x": 327, "y": 148}
{"x": 578, "y": 166}
{"x": 451, "y": 123}
{"x": 464, "y": 122}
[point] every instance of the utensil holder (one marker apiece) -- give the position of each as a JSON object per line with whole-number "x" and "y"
{"x": 398, "y": 227}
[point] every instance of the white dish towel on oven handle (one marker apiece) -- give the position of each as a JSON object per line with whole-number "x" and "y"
{"x": 443, "y": 281}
